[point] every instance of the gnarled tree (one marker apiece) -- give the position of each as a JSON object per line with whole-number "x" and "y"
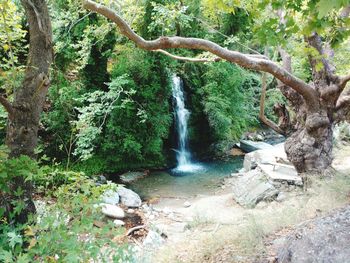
{"x": 24, "y": 111}
{"x": 318, "y": 104}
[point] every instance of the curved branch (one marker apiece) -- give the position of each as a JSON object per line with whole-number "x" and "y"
{"x": 343, "y": 81}
{"x": 342, "y": 110}
{"x": 188, "y": 59}
{"x": 262, "y": 116}
{"x": 309, "y": 94}
{"x": 7, "y": 105}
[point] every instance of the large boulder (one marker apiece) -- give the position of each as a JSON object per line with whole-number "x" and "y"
{"x": 252, "y": 188}
{"x": 128, "y": 197}
{"x": 110, "y": 197}
{"x": 266, "y": 156}
{"x": 323, "y": 239}
{"x": 250, "y": 146}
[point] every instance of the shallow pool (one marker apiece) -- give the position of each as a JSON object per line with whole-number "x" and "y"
{"x": 172, "y": 184}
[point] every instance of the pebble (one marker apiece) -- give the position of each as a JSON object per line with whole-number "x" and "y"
{"x": 166, "y": 210}
{"x": 187, "y": 204}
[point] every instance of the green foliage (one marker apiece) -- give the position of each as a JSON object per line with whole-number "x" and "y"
{"x": 59, "y": 136}
{"x": 134, "y": 133}
{"x": 169, "y": 18}
{"x": 273, "y": 96}
{"x": 228, "y": 98}
{"x": 92, "y": 117}
{"x": 11, "y": 34}
{"x": 65, "y": 231}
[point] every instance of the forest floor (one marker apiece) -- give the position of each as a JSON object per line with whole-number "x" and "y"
{"x": 215, "y": 228}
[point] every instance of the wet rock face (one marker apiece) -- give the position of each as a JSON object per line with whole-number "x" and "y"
{"x": 323, "y": 239}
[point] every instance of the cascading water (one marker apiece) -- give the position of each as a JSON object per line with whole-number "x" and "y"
{"x": 183, "y": 155}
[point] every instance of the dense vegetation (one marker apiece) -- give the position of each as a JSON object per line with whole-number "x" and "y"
{"x": 109, "y": 107}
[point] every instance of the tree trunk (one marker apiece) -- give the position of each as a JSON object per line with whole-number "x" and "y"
{"x": 23, "y": 122}
{"x": 309, "y": 148}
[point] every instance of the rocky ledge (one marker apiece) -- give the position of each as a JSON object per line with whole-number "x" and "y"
{"x": 324, "y": 239}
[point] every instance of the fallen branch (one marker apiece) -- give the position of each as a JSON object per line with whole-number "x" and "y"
{"x": 133, "y": 229}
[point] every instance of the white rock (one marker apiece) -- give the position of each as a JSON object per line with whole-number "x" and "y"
{"x": 281, "y": 197}
{"x": 110, "y": 197}
{"x": 153, "y": 240}
{"x": 118, "y": 223}
{"x": 130, "y": 211}
{"x": 112, "y": 211}
{"x": 128, "y": 197}
{"x": 166, "y": 210}
{"x": 187, "y": 204}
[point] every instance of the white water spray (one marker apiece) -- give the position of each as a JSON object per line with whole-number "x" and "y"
{"x": 183, "y": 155}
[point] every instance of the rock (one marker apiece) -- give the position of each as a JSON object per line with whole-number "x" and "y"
{"x": 167, "y": 210}
{"x": 110, "y": 197}
{"x": 130, "y": 177}
{"x": 130, "y": 211}
{"x": 259, "y": 137}
{"x": 281, "y": 173}
{"x": 101, "y": 179}
{"x": 252, "y": 188}
{"x": 153, "y": 240}
{"x": 324, "y": 239}
{"x": 118, "y": 222}
{"x": 236, "y": 152}
{"x": 112, "y": 211}
{"x": 171, "y": 229}
{"x": 281, "y": 197}
{"x": 250, "y": 146}
{"x": 261, "y": 205}
{"x": 187, "y": 204}
{"x": 266, "y": 156}
{"x": 128, "y": 197}
{"x": 341, "y": 133}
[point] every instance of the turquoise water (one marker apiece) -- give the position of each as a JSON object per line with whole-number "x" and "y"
{"x": 173, "y": 184}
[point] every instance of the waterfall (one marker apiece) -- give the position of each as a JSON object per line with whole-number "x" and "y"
{"x": 183, "y": 154}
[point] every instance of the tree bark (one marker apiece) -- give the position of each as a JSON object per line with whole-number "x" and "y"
{"x": 309, "y": 148}
{"x": 23, "y": 123}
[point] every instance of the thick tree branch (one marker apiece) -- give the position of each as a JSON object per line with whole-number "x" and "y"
{"x": 262, "y": 116}
{"x": 7, "y": 105}
{"x": 343, "y": 81}
{"x": 187, "y": 59}
{"x": 324, "y": 76}
{"x": 243, "y": 60}
{"x": 342, "y": 110}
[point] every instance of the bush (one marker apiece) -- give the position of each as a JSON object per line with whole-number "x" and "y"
{"x": 230, "y": 100}
{"x": 64, "y": 231}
